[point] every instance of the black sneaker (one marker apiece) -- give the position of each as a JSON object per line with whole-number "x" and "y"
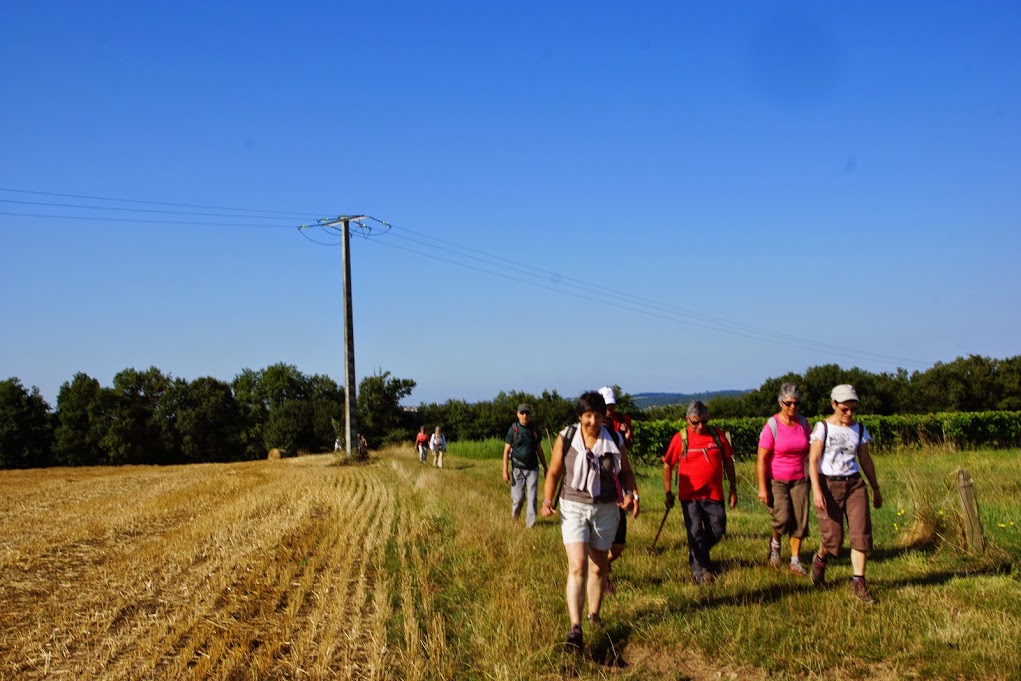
{"x": 574, "y": 638}
{"x": 818, "y": 571}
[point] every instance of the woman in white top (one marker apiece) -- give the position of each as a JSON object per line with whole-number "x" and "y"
{"x": 838, "y": 456}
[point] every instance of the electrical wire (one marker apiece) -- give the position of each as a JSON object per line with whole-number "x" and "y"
{"x": 95, "y": 218}
{"x": 140, "y": 210}
{"x": 523, "y": 273}
{"x": 292, "y": 213}
{"x": 508, "y": 268}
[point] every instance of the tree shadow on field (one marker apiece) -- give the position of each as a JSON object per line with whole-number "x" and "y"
{"x": 943, "y": 576}
{"x": 763, "y": 596}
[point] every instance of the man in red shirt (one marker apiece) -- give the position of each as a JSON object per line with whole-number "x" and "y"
{"x": 701, "y": 454}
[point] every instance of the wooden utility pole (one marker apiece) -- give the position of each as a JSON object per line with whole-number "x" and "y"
{"x": 350, "y": 402}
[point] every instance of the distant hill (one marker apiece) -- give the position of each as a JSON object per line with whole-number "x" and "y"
{"x": 646, "y": 400}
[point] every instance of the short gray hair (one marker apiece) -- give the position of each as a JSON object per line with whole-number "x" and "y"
{"x": 790, "y": 391}
{"x": 698, "y": 409}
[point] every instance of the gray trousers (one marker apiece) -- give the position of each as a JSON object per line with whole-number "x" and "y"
{"x": 524, "y": 482}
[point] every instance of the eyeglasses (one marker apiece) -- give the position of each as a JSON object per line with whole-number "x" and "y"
{"x": 791, "y": 403}
{"x": 526, "y": 413}
{"x": 848, "y": 409}
{"x": 698, "y": 423}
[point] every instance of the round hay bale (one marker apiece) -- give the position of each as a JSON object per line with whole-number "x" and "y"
{"x": 277, "y": 453}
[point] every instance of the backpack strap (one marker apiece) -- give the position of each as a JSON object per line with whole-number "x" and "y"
{"x": 684, "y": 442}
{"x": 861, "y": 433}
{"x": 772, "y": 427}
{"x": 804, "y": 424}
{"x": 567, "y": 437}
{"x": 717, "y": 434}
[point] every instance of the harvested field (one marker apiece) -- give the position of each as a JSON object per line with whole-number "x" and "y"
{"x": 302, "y": 568}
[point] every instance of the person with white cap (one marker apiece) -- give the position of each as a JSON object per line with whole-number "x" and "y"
{"x": 838, "y": 456}
{"x": 619, "y": 423}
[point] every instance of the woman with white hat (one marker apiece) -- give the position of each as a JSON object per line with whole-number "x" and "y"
{"x": 838, "y": 456}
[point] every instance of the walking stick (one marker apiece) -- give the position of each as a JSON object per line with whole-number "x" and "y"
{"x": 661, "y": 524}
{"x": 665, "y": 514}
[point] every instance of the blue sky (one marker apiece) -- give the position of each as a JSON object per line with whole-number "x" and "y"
{"x": 670, "y": 196}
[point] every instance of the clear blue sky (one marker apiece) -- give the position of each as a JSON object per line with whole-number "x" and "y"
{"x": 672, "y": 196}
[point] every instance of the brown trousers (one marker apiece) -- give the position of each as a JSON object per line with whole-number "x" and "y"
{"x": 845, "y": 499}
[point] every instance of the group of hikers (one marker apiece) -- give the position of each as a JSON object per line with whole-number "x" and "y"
{"x": 589, "y": 478}
{"x": 435, "y": 443}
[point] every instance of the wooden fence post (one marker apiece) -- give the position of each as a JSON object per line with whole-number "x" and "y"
{"x": 969, "y": 501}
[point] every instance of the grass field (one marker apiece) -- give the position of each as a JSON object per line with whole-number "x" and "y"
{"x": 301, "y": 568}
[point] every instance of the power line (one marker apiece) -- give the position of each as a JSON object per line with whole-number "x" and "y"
{"x": 508, "y": 268}
{"x": 291, "y": 213}
{"x": 52, "y": 204}
{"x": 95, "y": 218}
{"x": 524, "y": 273}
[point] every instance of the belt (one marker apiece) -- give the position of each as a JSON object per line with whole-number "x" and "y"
{"x": 852, "y": 476}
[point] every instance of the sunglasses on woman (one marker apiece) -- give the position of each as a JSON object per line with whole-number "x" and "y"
{"x": 791, "y": 403}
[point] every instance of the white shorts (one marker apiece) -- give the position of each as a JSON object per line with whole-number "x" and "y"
{"x": 592, "y": 524}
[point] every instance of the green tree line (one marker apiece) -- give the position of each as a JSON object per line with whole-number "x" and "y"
{"x": 148, "y": 417}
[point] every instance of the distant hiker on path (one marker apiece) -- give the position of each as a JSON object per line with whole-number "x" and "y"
{"x": 621, "y": 424}
{"x": 596, "y": 470}
{"x": 700, "y": 453}
{"x": 522, "y": 455}
{"x": 438, "y": 445}
{"x": 839, "y": 455}
{"x": 422, "y": 445}
{"x": 783, "y": 481}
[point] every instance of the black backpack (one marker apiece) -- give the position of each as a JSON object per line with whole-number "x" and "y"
{"x": 517, "y": 437}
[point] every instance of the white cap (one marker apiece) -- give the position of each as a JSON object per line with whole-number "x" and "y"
{"x": 844, "y": 393}
{"x": 608, "y": 396}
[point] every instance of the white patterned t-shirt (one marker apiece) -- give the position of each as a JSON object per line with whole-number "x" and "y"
{"x": 839, "y": 452}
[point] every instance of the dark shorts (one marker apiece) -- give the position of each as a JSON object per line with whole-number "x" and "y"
{"x": 621, "y": 536}
{"x": 845, "y": 498}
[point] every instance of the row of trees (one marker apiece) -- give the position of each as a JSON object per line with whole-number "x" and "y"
{"x": 151, "y": 417}
{"x": 968, "y": 384}
{"x": 148, "y": 417}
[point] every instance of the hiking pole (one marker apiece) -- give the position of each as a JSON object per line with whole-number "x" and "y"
{"x": 661, "y": 524}
{"x": 665, "y": 514}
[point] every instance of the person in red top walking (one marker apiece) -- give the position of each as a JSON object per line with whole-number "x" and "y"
{"x": 422, "y": 444}
{"x": 701, "y": 453}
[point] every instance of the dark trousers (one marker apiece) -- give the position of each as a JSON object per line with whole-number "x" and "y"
{"x": 706, "y": 522}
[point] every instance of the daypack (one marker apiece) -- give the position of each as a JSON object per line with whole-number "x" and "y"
{"x": 517, "y": 436}
{"x": 801, "y": 419}
{"x": 713, "y": 431}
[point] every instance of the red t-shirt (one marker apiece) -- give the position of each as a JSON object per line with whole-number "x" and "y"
{"x": 421, "y": 439}
{"x": 700, "y": 472}
{"x": 620, "y": 419}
